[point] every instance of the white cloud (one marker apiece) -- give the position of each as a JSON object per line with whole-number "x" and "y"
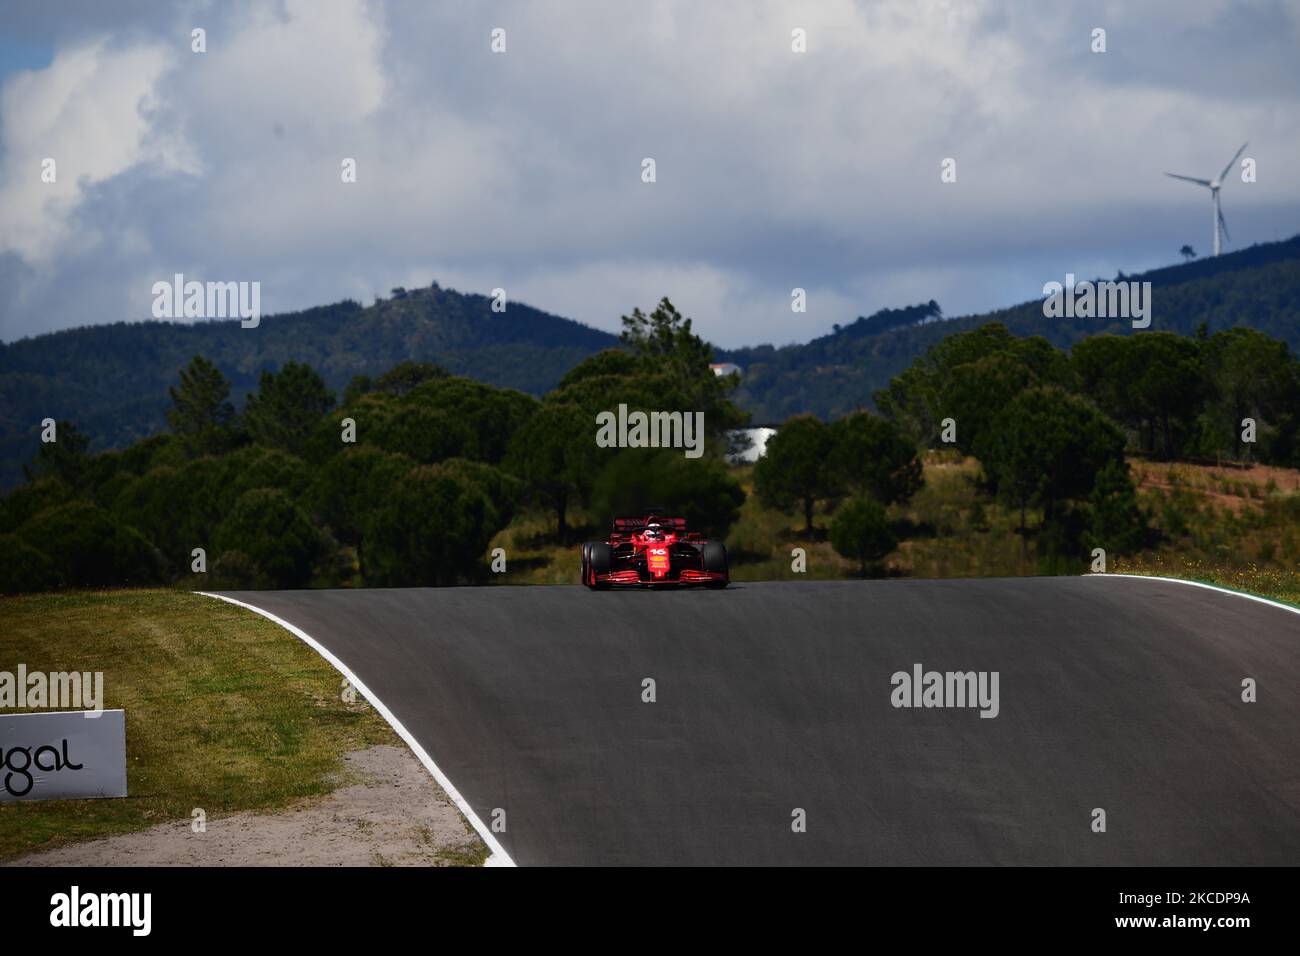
{"x": 89, "y": 112}
{"x": 776, "y": 169}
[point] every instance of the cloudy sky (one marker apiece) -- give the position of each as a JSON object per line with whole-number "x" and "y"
{"x": 523, "y": 170}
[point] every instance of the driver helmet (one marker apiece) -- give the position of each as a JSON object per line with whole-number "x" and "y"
{"x": 654, "y": 531}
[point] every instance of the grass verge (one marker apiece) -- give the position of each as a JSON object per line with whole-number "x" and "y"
{"x": 1273, "y": 583}
{"x": 225, "y": 711}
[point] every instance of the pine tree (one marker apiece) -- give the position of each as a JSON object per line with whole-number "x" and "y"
{"x": 201, "y": 414}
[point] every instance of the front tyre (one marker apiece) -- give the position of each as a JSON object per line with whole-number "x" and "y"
{"x": 597, "y": 559}
{"x": 714, "y": 554}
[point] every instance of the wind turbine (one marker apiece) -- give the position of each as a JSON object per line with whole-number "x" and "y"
{"x": 1213, "y": 185}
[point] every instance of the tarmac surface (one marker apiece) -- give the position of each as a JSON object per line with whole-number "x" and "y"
{"x": 1115, "y": 694}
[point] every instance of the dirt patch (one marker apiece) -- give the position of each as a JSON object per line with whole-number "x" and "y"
{"x": 1228, "y": 488}
{"x": 390, "y": 812}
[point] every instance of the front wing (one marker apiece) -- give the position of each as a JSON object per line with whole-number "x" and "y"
{"x": 630, "y": 577}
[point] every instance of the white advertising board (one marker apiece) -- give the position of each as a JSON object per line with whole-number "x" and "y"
{"x": 63, "y": 754}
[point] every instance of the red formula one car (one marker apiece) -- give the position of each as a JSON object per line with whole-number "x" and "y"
{"x": 652, "y": 552}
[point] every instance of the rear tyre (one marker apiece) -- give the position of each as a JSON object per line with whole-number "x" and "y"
{"x": 714, "y": 554}
{"x": 599, "y": 559}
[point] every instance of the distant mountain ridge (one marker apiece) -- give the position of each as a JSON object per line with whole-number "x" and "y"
{"x": 834, "y": 374}
{"x": 112, "y": 379}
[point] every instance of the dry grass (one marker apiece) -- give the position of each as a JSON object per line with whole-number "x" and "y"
{"x": 1227, "y": 487}
{"x": 1239, "y": 527}
{"x": 1271, "y": 582}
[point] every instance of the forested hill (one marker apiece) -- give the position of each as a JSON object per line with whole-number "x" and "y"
{"x": 1257, "y": 287}
{"x": 111, "y": 380}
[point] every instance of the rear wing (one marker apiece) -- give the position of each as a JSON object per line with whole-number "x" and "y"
{"x": 636, "y": 525}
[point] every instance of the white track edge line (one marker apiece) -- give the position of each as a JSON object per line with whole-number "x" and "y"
{"x": 499, "y": 856}
{"x": 1200, "y": 584}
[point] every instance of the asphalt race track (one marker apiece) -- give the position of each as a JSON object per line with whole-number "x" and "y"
{"x": 1115, "y": 693}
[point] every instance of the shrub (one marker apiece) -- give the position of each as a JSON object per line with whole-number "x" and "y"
{"x": 432, "y": 528}
{"x": 860, "y": 532}
{"x": 90, "y": 548}
{"x": 702, "y": 490}
{"x": 25, "y": 568}
{"x": 275, "y": 535}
